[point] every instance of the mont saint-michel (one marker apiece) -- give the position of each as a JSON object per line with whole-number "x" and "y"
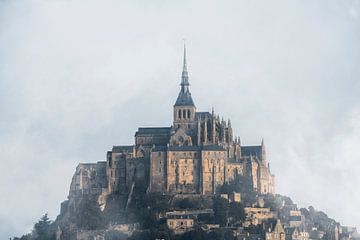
{"x": 196, "y": 155}
{"x": 191, "y": 180}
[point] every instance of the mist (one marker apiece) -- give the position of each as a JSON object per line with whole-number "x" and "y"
{"x": 77, "y": 77}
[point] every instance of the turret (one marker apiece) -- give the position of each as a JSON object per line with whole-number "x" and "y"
{"x": 230, "y": 132}
{"x": 198, "y": 132}
{"x": 205, "y": 131}
{"x": 223, "y": 124}
{"x": 237, "y": 148}
{"x": 213, "y": 127}
{"x": 263, "y": 151}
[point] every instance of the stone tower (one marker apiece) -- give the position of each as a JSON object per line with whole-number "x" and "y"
{"x": 184, "y": 108}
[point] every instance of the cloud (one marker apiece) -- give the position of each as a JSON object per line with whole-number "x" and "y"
{"x": 77, "y": 77}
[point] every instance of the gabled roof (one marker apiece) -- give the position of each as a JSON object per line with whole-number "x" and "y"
{"x": 251, "y": 151}
{"x": 184, "y": 148}
{"x": 124, "y": 148}
{"x": 160, "y": 148}
{"x": 290, "y": 230}
{"x": 203, "y": 115}
{"x": 213, "y": 148}
{"x": 153, "y": 130}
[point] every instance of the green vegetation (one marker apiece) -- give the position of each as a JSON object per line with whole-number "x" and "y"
{"x": 42, "y": 230}
{"x": 145, "y": 207}
{"x": 88, "y": 215}
{"x": 199, "y": 234}
{"x": 241, "y": 185}
{"x": 115, "y": 235}
{"x": 221, "y": 210}
{"x": 227, "y": 213}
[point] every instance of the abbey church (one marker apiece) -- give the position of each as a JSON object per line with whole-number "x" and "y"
{"x": 197, "y": 154}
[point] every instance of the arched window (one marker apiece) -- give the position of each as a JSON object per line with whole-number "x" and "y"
{"x": 184, "y": 114}
{"x": 188, "y": 114}
{"x": 179, "y": 114}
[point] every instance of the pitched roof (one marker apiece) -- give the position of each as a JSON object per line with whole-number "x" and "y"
{"x": 184, "y": 148}
{"x": 184, "y": 99}
{"x": 124, "y": 148}
{"x": 153, "y": 130}
{"x": 202, "y": 115}
{"x": 213, "y": 148}
{"x": 251, "y": 151}
{"x": 159, "y": 148}
{"x": 290, "y": 230}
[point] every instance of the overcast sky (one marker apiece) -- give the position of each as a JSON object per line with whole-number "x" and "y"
{"x": 79, "y": 76}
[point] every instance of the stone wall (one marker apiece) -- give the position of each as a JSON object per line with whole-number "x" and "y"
{"x": 89, "y": 178}
{"x": 213, "y": 170}
{"x": 183, "y": 171}
{"x": 137, "y": 169}
{"x": 158, "y": 169}
{"x": 234, "y": 169}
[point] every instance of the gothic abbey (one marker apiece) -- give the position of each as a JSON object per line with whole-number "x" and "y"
{"x": 196, "y": 155}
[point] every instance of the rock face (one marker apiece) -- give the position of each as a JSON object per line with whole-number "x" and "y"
{"x": 197, "y": 155}
{"x": 89, "y": 179}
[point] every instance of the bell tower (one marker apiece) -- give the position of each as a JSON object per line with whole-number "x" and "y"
{"x": 184, "y": 107}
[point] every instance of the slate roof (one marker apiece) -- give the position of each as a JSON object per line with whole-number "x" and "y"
{"x": 184, "y": 99}
{"x": 289, "y": 231}
{"x": 202, "y": 115}
{"x": 196, "y": 148}
{"x": 251, "y": 150}
{"x": 213, "y": 148}
{"x": 184, "y": 148}
{"x": 159, "y": 148}
{"x": 124, "y": 148}
{"x": 153, "y": 130}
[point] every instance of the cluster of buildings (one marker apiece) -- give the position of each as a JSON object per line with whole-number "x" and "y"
{"x": 197, "y": 155}
{"x": 286, "y": 223}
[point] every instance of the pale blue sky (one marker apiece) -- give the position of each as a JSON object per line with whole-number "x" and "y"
{"x": 77, "y": 77}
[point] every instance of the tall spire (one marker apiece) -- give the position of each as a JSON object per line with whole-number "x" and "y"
{"x": 184, "y": 76}
{"x": 184, "y": 98}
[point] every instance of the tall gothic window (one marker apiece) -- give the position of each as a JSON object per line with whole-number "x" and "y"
{"x": 179, "y": 114}
{"x": 184, "y": 114}
{"x": 188, "y": 114}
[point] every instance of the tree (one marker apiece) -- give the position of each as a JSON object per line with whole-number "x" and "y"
{"x": 141, "y": 235}
{"x": 24, "y": 237}
{"x": 196, "y": 234}
{"x": 115, "y": 235}
{"x": 162, "y": 232}
{"x": 236, "y": 211}
{"x": 272, "y": 202}
{"x": 42, "y": 229}
{"x": 88, "y": 214}
{"x": 220, "y": 210}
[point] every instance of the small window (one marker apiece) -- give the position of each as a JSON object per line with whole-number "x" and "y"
{"x": 188, "y": 115}
{"x": 184, "y": 114}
